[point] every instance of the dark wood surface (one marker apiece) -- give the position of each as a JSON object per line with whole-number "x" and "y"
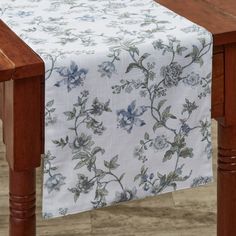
{"x": 218, "y": 16}
{"x": 23, "y": 73}
{"x": 22, "y": 110}
{"x": 17, "y": 59}
{"x": 217, "y": 109}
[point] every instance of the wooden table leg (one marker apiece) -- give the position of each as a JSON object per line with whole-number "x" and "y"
{"x": 226, "y": 180}
{"x": 1, "y": 100}
{"x": 22, "y": 203}
{"x": 226, "y": 224}
{"x": 23, "y": 124}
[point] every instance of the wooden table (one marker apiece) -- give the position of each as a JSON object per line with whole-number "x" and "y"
{"x": 22, "y": 111}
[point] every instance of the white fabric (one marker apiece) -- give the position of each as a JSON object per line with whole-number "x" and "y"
{"x": 128, "y": 91}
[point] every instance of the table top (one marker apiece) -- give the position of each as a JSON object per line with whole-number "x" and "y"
{"x": 218, "y": 16}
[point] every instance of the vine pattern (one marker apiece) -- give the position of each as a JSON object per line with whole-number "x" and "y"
{"x": 130, "y": 41}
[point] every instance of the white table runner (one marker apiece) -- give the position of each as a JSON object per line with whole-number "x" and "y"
{"x": 128, "y": 92}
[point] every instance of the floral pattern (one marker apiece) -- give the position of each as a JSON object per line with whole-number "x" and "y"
{"x": 128, "y": 91}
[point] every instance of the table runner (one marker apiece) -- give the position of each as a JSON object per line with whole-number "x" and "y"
{"x": 128, "y": 97}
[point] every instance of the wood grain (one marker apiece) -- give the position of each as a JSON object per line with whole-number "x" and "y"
{"x": 7, "y": 67}
{"x": 230, "y": 86}
{"x": 23, "y": 122}
{"x": 16, "y": 58}
{"x": 218, "y": 89}
{"x": 227, "y": 150}
{"x": 216, "y": 16}
{"x": 22, "y": 73}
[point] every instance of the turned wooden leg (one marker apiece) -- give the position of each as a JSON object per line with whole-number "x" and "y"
{"x": 23, "y": 125}
{"x": 2, "y": 107}
{"x": 226, "y": 180}
{"x": 226, "y": 192}
{"x": 22, "y": 203}
{"x": 1, "y": 100}
{"x": 22, "y": 76}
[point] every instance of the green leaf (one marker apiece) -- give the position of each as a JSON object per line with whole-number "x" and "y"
{"x": 186, "y": 152}
{"x": 209, "y": 75}
{"x": 99, "y": 172}
{"x": 61, "y": 143}
{"x": 159, "y": 175}
{"x": 146, "y": 136}
{"x": 168, "y": 155}
{"x": 195, "y": 52}
{"x": 107, "y": 164}
{"x": 167, "y": 110}
{"x": 70, "y": 114}
{"x": 131, "y": 67}
{"x": 188, "y": 55}
{"x": 166, "y": 113}
{"x": 101, "y": 192}
{"x": 80, "y": 164}
{"x": 161, "y": 103}
{"x": 56, "y": 142}
{"x": 137, "y": 177}
{"x": 112, "y": 164}
{"x": 50, "y": 103}
{"x": 157, "y": 125}
{"x": 144, "y": 170}
{"x": 180, "y": 50}
{"x": 76, "y": 196}
{"x": 90, "y": 163}
{"x": 134, "y": 50}
{"x": 81, "y": 155}
{"x": 199, "y": 60}
{"x": 179, "y": 141}
{"x": 172, "y": 116}
{"x": 141, "y": 142}
{"x": 96, "y": 150}
{"x": 143, "y": 57}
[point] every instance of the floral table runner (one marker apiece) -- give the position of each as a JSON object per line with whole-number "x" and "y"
{"x": 128, "y": 92}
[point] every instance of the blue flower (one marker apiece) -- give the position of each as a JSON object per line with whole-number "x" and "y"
{"x": 73, "y": 76}
{"x": 146, "y": 187}
{"x": 208, "y": 150}
{"x": 151, "y": 176}
{"x": 87, "y": 18}
{"x": 144, "y": 178}
{"x": 201, "y": 180}
{"x": 130, "y": 117}
{"x": 55, "y": 182}
{"x": 25, "y": 13}
{"x": 185, "y": 128}
{"x": 106, "y": 69}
